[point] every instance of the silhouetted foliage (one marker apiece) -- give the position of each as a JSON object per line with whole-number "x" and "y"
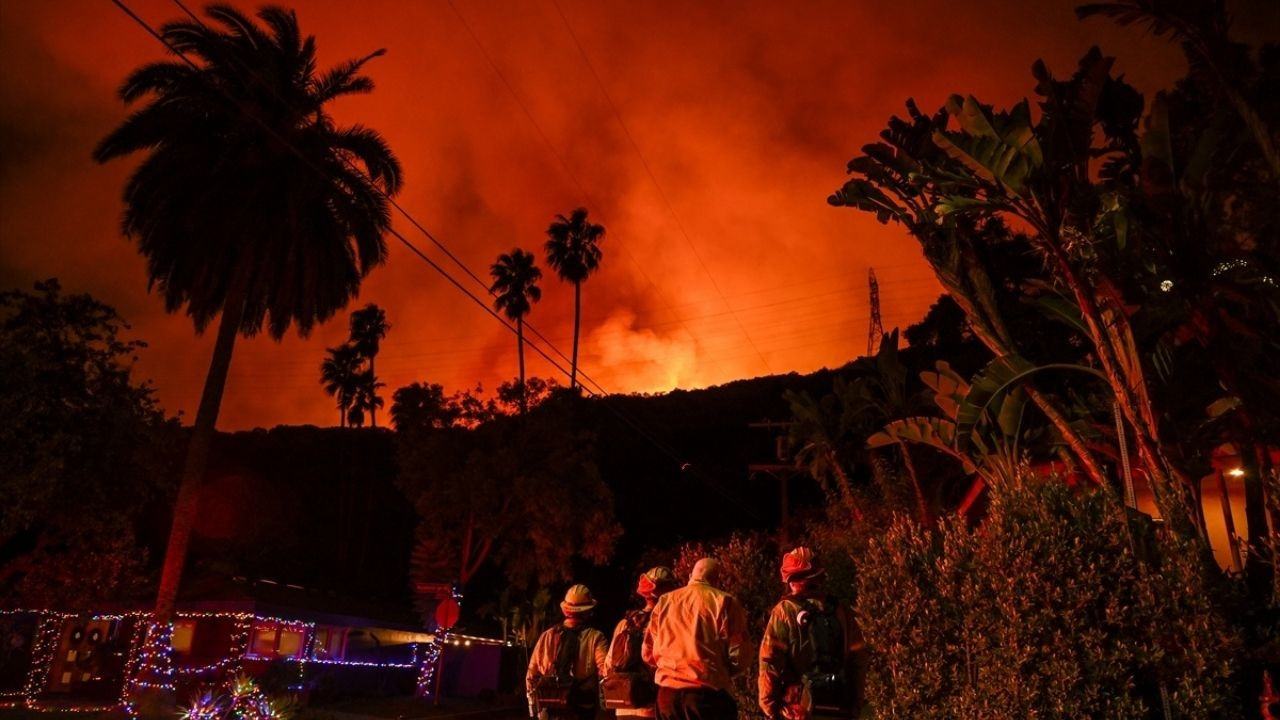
{"x": 340, "y": 376}
{"x": 1116, "y": 257}
{"x": 251, "y": 201}
{"x": 573, "y": 251}
{"x": 524, "y": 493}
{"x": 515, "y": 288}
{"x": 419, "y": 407}
{"x": 1042, "y": 611}
{"x": 81, "y": 448}
{"x": 368, "y": 327}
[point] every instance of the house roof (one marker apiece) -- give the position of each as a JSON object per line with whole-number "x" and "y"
{"x": 267, "y": 597}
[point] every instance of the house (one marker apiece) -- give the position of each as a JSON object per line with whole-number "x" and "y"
{"x": 290, "y": 639}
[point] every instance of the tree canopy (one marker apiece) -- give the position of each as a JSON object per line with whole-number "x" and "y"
{"x": 80, "y": 433}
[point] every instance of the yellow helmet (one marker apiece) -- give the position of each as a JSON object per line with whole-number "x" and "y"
{"x": 577, "y": 600}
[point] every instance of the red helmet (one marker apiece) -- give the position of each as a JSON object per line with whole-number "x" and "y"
{"x": 799, "y": 565}
{"x": 655, "y": 582}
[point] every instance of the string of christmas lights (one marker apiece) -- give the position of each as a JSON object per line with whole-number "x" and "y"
{"x": 155, "y": 661}
{"x": 130, "y": 668}
{"x": 431, "y": 663}
{"x": 150, "y": 663}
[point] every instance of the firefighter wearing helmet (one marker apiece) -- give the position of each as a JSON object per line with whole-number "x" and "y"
{"x": 629, "y": 688}
{"x": 567, "y": 662}
{"x": 811, "y": 649}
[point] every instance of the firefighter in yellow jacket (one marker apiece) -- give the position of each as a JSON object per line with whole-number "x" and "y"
{"x": 811, "y": 652}
{"x": 567, "y": 663}
{"x": 694, "y": 642}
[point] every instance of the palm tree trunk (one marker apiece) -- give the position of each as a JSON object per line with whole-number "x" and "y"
{"x": 524, "y": 400}
{"x": 373, "y": 390}
{"x": 193, "y": 469}
{"x": 577, "y": 321}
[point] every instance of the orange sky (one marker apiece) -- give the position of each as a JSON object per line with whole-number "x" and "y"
{"x": 722, "y": 259}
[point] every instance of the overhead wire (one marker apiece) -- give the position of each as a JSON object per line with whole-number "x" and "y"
{"x": 418, "y": 252}
{"x": 529, "y": 325}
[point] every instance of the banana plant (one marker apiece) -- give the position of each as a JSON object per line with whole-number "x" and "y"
{"x": 982, "y": 420}
{"x": 986, "y": 166}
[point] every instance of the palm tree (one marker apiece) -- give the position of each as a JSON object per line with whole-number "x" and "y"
{"x": 573, "y": 251}
{"x": 339, "y": 374}
{"x": 368, "y": 326}
{"x": 250, "y": 201}
{"x": 515, "y": 278}
{"x": 365, "y": 399}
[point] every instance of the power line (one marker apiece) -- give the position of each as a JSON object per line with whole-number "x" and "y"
{"x": 413, "y": 248}
{"x": 306, "y": 161}
{"x": 441, "y": 246}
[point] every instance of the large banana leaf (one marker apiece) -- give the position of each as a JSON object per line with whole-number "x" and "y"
{"x": 949, "y": 388}
{"x": 1001, "y": 149}
{"x": 1056, "y": 307}
{"x": 971, "y": 117}
{"x": 934, "y": 432}
{"x": 989, "y": 158}
{"x": 996, "y": 380}
{"x": 987, "y": 387}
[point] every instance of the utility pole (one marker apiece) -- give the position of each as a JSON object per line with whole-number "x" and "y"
{"x": 875, "y": 329}
{"x": 781, "y": 469}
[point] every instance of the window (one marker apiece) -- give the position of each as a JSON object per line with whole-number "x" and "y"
{"x": 183, "y": 632}
{"x": 321, "y": 649}
{"x": 328, "y": 644}
{"x": 264, "y": 640}
{"x": 290, "y": 643}
{"x": 278, "y": 640}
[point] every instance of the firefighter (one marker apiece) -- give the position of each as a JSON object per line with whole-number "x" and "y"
{"x": 811, "y": 651}
{"x": 567, "y": 662}
{"x": 629, "y": 688}
{"x": 694, "y": 640}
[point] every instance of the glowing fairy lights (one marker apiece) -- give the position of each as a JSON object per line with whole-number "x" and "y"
{"x": 150, "y": 664}
{"x": 431, "y": 662}
{"x": 243, "y": 699}
{"x": 154, "y": 670}
{"x": 45, "y": 639}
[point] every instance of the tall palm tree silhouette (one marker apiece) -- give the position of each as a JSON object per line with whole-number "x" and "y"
{"x": 573, "y": 251}
{"x": 368, "y": 327}
{"x": 251, "y": 202}
{"x": 365, "y": 399}
{"x": 515, "y": 282}
{"x": 340, "y": 375}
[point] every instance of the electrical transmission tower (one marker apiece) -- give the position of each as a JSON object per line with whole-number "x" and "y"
{"x": 875, "y": 330}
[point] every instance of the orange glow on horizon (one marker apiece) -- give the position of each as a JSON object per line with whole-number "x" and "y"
{"x": 722, "y": 259}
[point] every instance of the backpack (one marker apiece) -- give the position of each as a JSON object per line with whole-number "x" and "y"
{"x": 560, "y": 690}
{"x": 826, "y": 683}
{"x": 625, "y": 652}
{"x": 630, "y": 682}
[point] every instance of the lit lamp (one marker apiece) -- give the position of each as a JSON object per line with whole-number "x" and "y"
{"x": 1233, "y": 545}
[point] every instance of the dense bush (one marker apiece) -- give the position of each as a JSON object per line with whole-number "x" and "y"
{"x": 1043, "y": 611}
